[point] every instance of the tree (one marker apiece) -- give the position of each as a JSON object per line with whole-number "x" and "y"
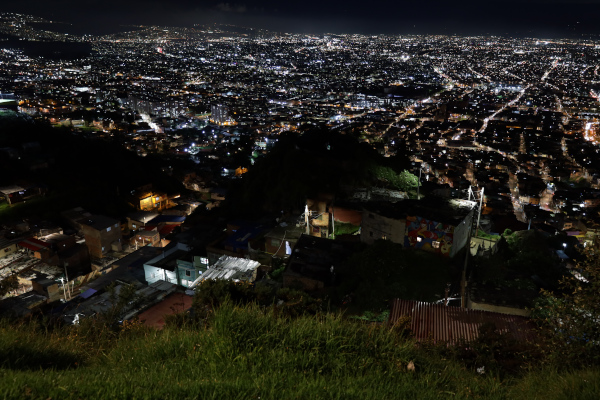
{"x": 570, "y": 319}
{"x": 122, "y": 300}
{"x": 404, "y": 181}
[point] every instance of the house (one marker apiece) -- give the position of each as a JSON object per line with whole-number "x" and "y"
{"x": 314, "y": 262}
{"x": 162, "y": 221}
{"x": 102, "y": 234}
{"x": 17, "y": 194}
{"x": 39, "y": 249}
{"x": 7, "y": 247}
{"x": 138, "y": 220}
{"x": 91, "y": 303}
{"x": 71, "y": 255}
{"x": 147, "y": 237}
{"x": 280, "y": 241}
{"x": 319, "y": 216}
{"x": 236, "y": 241}
{"x": 191, "y": 266}
{"x": 165, "y": 266}
{"x": 433, "y": 224}
{"x": 179, "y": 264}
{"x": 75, "y": 216}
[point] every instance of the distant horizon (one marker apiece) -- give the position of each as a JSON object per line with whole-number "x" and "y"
{"x": 526, "y": 18}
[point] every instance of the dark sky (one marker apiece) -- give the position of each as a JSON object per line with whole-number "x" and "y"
{"x": 539, "y": 18}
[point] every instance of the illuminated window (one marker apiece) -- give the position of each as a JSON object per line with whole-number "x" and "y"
{"x": 108, "y": 229}
{"x": 204, "y": 260}
{"x": 188, "y": 273}
{"x": 134, "y": 226}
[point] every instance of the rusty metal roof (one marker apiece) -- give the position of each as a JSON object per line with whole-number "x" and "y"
{"x": 451, "y": 324}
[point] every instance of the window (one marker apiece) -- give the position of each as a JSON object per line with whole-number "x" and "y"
{"x": 134, "y": 226}
{"x": 275, "y": 242}
{"x": 204, "y": 260}
{"x": 108, "y": 229}
{"x": 436, "y": 244}
{"x": 116, "y": 225}
{"x": 188, "y": 273}
{"x": 371, "y": 234}
{"x": 102, "y": 248}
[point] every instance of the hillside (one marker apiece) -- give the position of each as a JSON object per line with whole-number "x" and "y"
{"x": 247, "y": 353}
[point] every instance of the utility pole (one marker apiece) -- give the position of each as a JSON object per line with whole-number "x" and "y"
{"x": 463, "y": 280}
{"x": 307, "y": 231}
{"x": 332, "y": 222}
{"x": 479, "y": 216}
{"x": 62, "y": 280}
{"x": 419, "y": 184}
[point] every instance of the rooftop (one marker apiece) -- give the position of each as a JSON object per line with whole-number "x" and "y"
{"x": 450, "y": 325}
{"x": 99, "y": 222}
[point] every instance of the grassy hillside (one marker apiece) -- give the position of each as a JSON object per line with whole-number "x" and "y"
{"x": 247, "y": 353}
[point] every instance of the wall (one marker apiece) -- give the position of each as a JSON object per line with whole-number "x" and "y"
{"x": 96, "y": 239}
{"x": 375, "y": 226}
{"x": 429, "y": 235}
{"x": 184, "y": 266}
{"x": 8, "y": 250}
{"x": 461, "y": 234}
{"x": 499, "y": 309}
{"x": 154, "y": 274}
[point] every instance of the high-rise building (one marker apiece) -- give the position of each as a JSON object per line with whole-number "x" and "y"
{"x": 220, "y": 113}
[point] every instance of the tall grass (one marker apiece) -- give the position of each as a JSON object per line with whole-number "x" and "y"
{"x": 248, "y": 353}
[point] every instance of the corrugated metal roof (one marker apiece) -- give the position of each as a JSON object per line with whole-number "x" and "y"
{"x": 451, "y": 324}
{"x": 229, "y": 268}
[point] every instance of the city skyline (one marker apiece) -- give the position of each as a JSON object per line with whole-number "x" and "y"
{"x": 529, "y": 18}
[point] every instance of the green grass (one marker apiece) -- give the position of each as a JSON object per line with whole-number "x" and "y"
{"x": 246, "y": 353}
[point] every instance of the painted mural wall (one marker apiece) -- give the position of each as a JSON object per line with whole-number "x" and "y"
{"x": 426, "y": 234}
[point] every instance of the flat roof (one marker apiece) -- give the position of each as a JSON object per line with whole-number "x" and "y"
{"x": 99, "y": 222}
{"x": 450, "y": 212}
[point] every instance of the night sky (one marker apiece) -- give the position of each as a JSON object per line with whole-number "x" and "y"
{"x": 538, "y": 18}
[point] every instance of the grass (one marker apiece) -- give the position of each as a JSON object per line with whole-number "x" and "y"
{"x": 246, "y": 353}
{"x": 344, "y": 228}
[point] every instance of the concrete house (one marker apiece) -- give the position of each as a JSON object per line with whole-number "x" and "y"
{"x": 102, "y": 234}
{"x": 435, "y": 225}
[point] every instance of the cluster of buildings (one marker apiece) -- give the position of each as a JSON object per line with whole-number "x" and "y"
{"x": 504, "y": 130}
